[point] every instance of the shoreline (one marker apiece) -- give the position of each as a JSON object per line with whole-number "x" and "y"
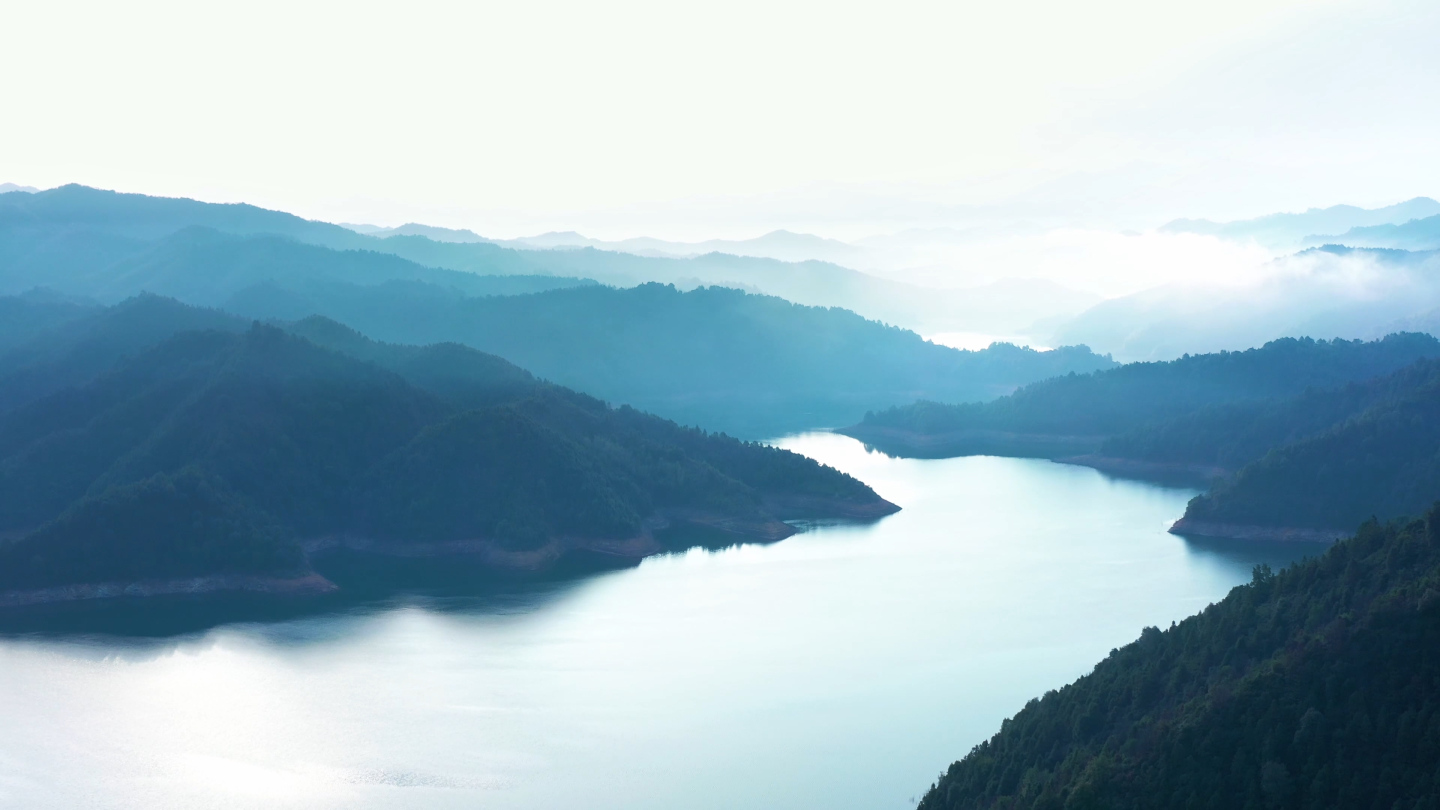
{"x": 1240, "y": 531}
{"x": 311, "y": 584}
{"x": 558, "y": 553}
{"x": 911, "y": 444}
{"x": 1167, "y": 472}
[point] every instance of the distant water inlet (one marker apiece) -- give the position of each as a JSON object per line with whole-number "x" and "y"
{"x": 843, "y": 667}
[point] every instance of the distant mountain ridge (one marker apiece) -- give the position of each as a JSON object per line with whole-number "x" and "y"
{"x": 104, "y": 226}
{"x": 1327, "y": 291}
{"x": 779, "y": 244}
{"x": 1416, "y": 235}
{"x": 726, "y": 361}
{"x": 1076, "y": 414}
{"x": 753, "y": 366}
{"x": 1290, "y": 229}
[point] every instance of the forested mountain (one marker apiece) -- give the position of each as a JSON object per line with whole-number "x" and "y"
{"x": 749, "y": 365}
{"x": 80, "y": 349}
{"x": 1313, "y": 688}
{"x": 1077, "y": 413}
{"x": 1232, "y": 435}
{"x": 223, "y": 453}
{"x": 1383, "y": 461}
{"x": 22, "y": 316}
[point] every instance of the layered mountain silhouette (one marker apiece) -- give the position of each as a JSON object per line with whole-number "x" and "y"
{"x": 1290, "y": 230}
{"x": 750, "y": 365}
{"x": 246, "y": 451}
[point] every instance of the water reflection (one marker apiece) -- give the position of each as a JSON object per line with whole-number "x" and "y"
{"x": 843, "y": 667}
{"x": 1241, "y": 556}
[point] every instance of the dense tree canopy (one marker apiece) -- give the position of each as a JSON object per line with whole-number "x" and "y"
{"x": 1318, "y": 687}
{"x": 245, "y": 442}
{"x": 1110, "y": 402}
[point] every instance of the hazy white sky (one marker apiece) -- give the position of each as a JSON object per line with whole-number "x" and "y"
{"x": 724, "y": 119}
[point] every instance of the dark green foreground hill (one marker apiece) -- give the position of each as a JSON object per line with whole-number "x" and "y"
{"x": 1316, "y": 688}
{"x": 244, "y": 453}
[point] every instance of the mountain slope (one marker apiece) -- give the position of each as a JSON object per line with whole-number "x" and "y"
{"x": 224, "y": 454}
{"x": 1287, "y": 230}
{"x": 1416, "y": 234}
{"x": 1384, "y": 461}
{"x": 1314, "y": 688}
{"x": 1232, "y": 435}
{"x": 82, "y": 348}
{"x": 749, "y": 365}
{"x": 1076, "y": 414}
{"x": 204, "y": 266}
{"x": 139, "y": 217}
{"x": 24, "y": 316}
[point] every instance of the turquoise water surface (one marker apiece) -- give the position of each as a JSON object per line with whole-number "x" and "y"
{"x": 841, "y": 668}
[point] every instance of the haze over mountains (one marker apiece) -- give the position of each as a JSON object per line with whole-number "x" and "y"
{"x": 1322, "y": 292}
{"x": 1290, "y": 231}
{"x": 71, "y": 219}
{"x": 1328, "y": 294}
{"x": 1332, "y": 291}
{"x": 753, "y": 365}
{"x": 1416, "y": 234}
{"x": 199, "y": 398}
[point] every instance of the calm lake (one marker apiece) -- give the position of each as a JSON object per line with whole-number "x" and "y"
{"x": 844, "y": 667}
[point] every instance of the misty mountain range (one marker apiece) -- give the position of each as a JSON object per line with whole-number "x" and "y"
{"x": 1321, "y": 292}
{"x": 1327, "y": 292}
{"x": 752, "y": 365}
{"x": 1417, "y": 234}
{"x": 77, "y": 213}
{"x": 1289, "y": 231}
{"x": 1358, "y": 296}
{"x": 784, "y": 245}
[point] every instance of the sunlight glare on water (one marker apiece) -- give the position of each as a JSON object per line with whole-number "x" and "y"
{"x": 842, "y": 668}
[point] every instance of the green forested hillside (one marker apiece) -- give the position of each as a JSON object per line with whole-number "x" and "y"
{"x": 1232, "y": 435}
{"x": 1075, "y": 414}
{"x": 1318, "y": 687}
{"x": 83, "y": 347}
{"x": 23, "y": 316}
{"x": 1384, "y": 461}
{"x": 218, "y": 452}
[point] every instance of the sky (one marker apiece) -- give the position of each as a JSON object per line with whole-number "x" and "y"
{"x": 703, "y": 120}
